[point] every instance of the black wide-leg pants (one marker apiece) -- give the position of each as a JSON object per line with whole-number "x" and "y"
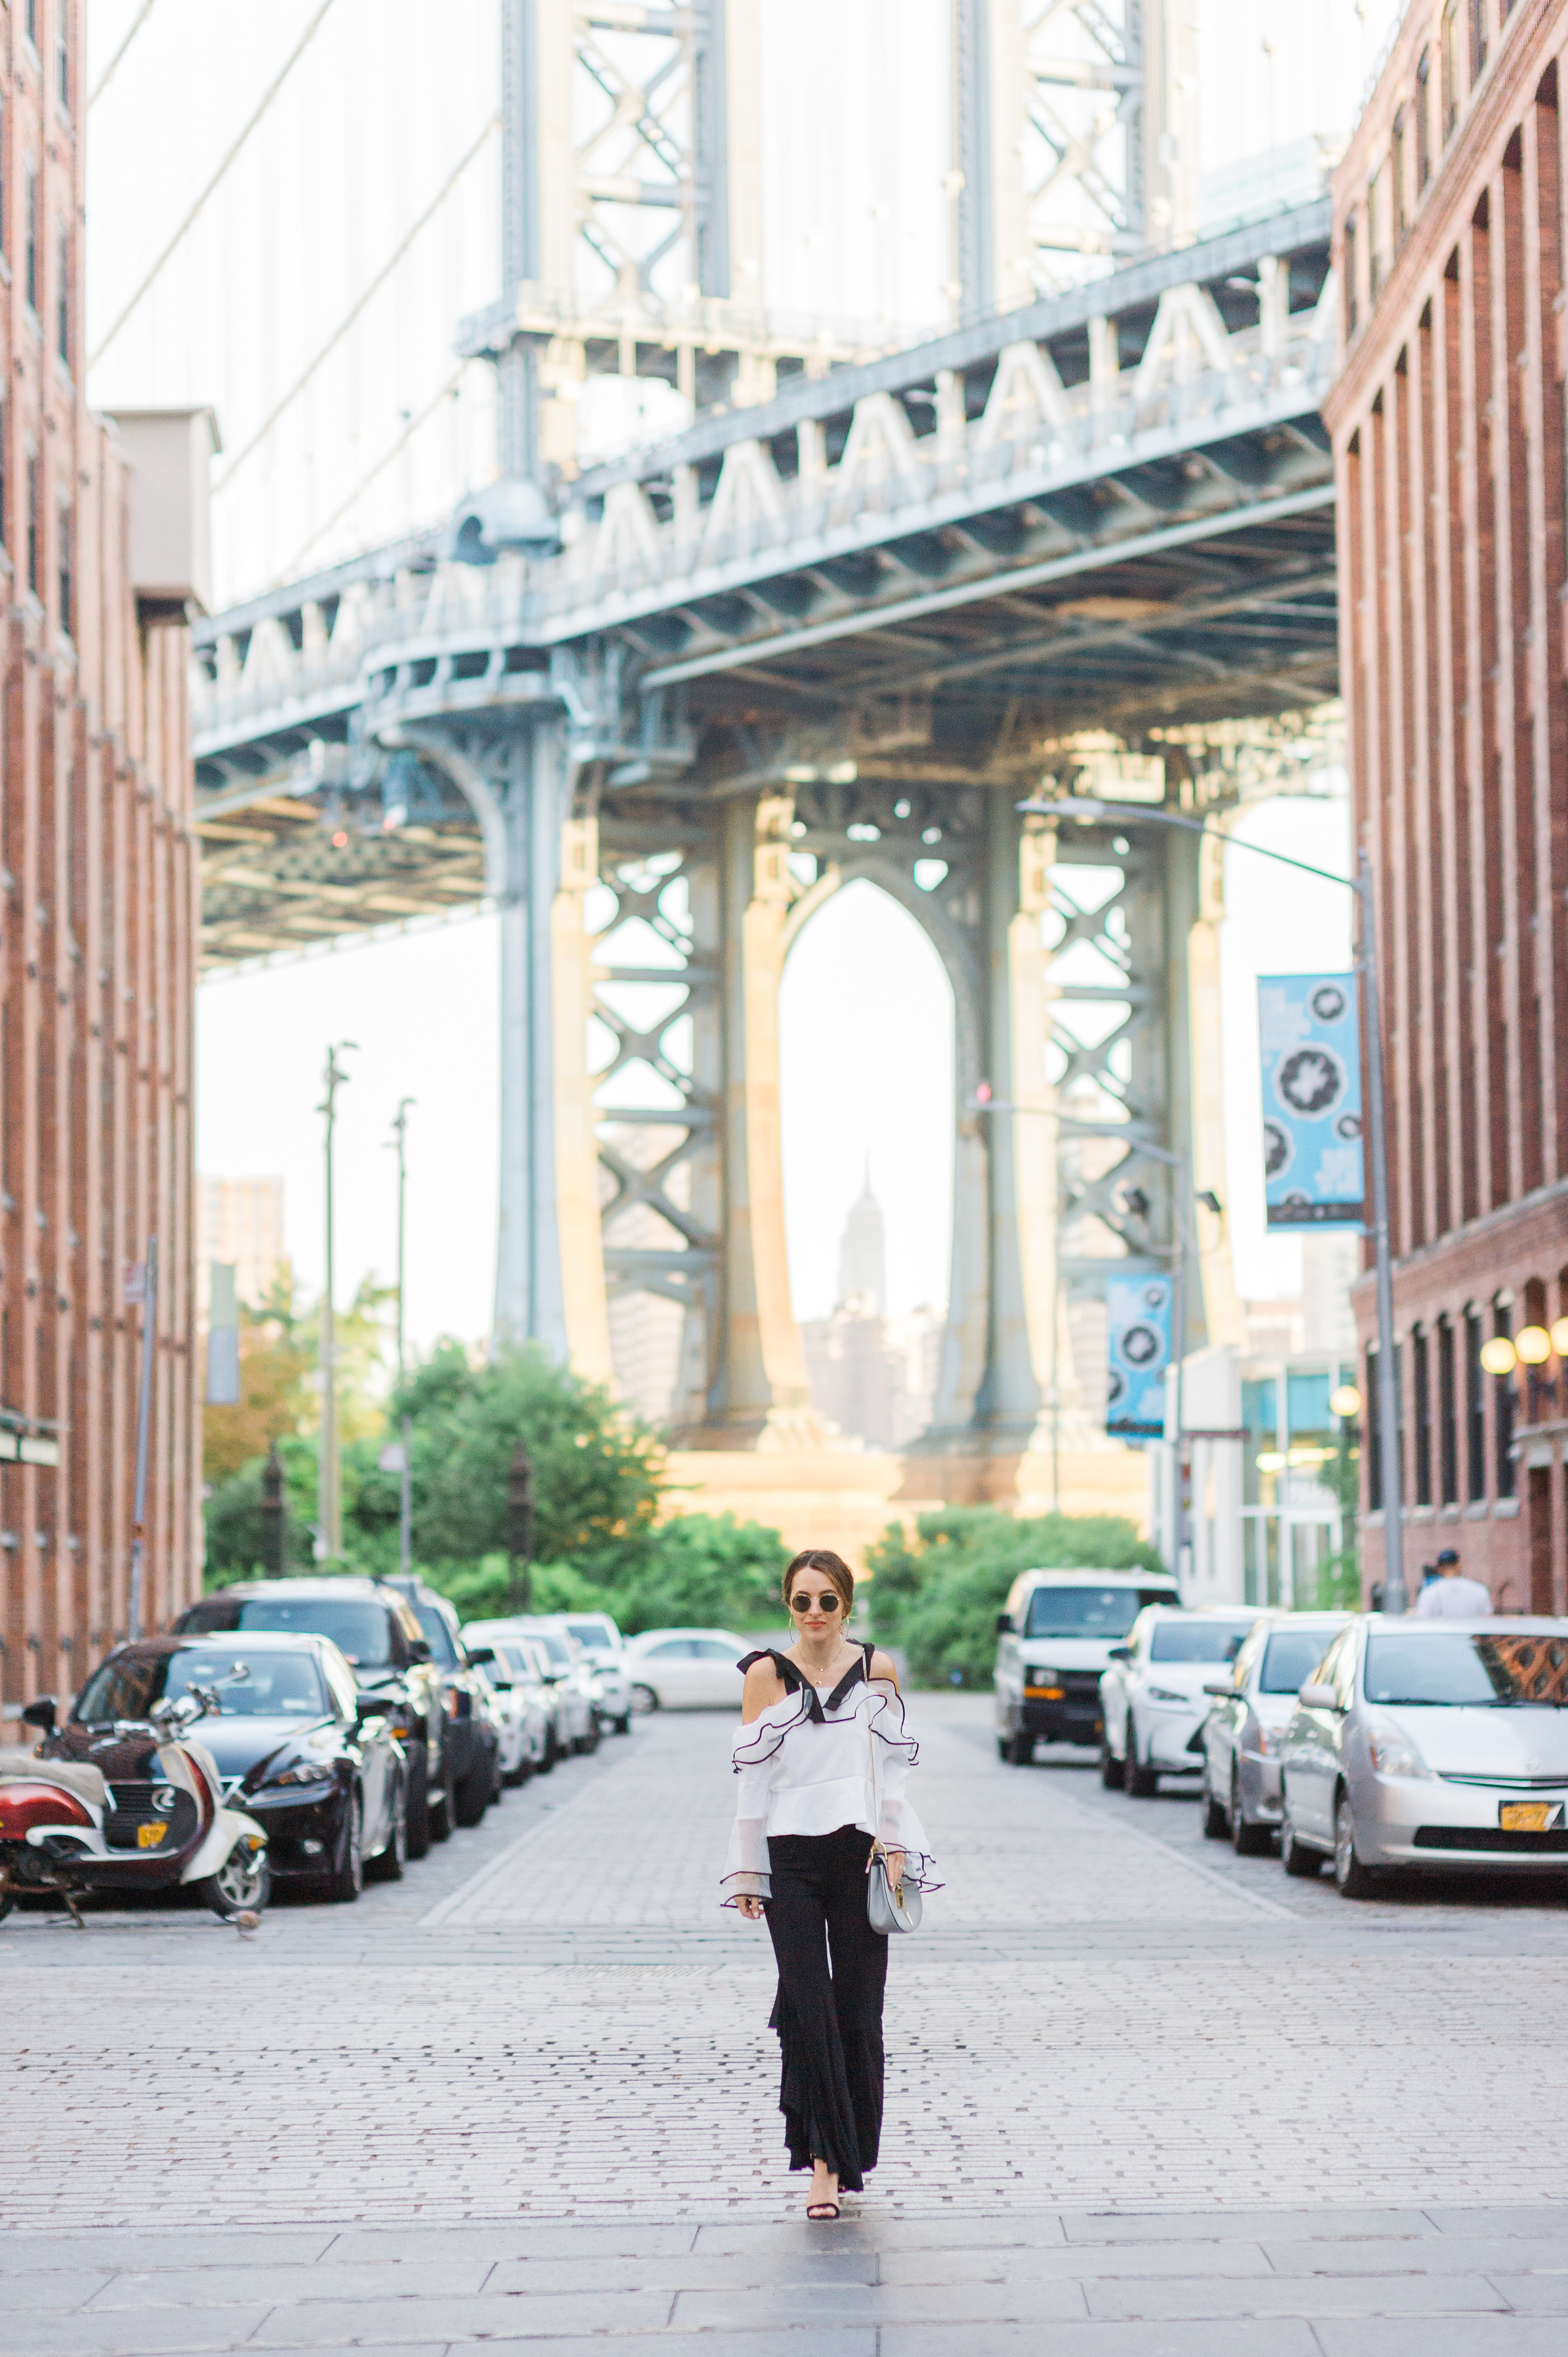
{"x": 829, "y": 2019}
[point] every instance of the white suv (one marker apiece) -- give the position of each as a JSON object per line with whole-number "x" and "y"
{"x": 1152, "y": 1696}
{"x": 1052, "y": 1643}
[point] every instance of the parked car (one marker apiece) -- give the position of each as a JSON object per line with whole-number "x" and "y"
{"x": 297, "y": 1746}
{"x": 516, "y": 1699}
{"x": 601, "y": 1641}
{"x": 1245, "y": 1727}
{"x": 376, "y": 1631}
{"x": 1053, "y": 1644}
{"x": 685, "y": 1669}
{"x": 1152, "y": 1694}
{"x": 564, "y": 1668}
{"x": 1438, "y": 1744}
{"x": 532, "y": 1674}
{"x": 472, "y": 1733}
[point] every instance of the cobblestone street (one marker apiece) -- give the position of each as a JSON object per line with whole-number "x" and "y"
{"x": 1140, "y": 2092}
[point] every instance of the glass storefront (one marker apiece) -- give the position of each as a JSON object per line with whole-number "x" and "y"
{"x": 1300, "y": 1468}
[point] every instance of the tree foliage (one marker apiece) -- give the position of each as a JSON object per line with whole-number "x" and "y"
{"x": 938, "y": 1595}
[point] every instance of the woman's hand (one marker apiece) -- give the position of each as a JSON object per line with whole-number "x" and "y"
{"x": 894, "y": 1861}
{"x": 750, "y": 1908}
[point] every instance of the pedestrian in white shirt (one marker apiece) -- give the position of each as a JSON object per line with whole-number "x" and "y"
{"x": 1452, "y": 1597}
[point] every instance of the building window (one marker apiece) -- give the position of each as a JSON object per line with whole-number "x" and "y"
{"x": 1374, "y": 1434}
{"x": 62, "y": 297}
{"x": 1352, "y": 306}
{"x": 33, "y": 520}
{"x": 1450, "y": 69}
{"x": 1474, "y": 1410}
{"x": 1396, "y": 169}
{"x": 5, "y": 481}
{"x": 62, "y": 58}
{"x": 30, "y": 263}
{"x": 1374, "y": 237}
{"x": 67, "y": 582}
{"x": 1422, "y": 1379}
{"x": 1422, "y": 121}
{"x": 1502, "y": 1393}
{"x": 1447, "y": 1416}
{"x": 1477, "y": 40}
{"x": 33, "y": 22}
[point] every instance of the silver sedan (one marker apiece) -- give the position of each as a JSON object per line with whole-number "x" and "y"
{"x": 1430, "y": 1743}
{"x": 1250, "y": 1713}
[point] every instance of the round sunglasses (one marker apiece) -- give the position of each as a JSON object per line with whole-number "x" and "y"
{"x": 826, "y": 1602}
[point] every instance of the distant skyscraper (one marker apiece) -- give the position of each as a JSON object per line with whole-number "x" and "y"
{"x": 240, "y": 1221}
{"x": 863, "y": 1253}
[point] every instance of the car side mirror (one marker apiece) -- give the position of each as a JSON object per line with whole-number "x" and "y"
{"x": 1120, "y": 1652}
{"x": 373, "y": 1705}
{"x": 1216, "y": 1687}
{"x": 1004, "y": 1624}
{"x": 418, "y": 1649}
{"x": 41, "y": 1713}
{"x": 1315, "y": 1698}
{"x": 480, "y": 1654}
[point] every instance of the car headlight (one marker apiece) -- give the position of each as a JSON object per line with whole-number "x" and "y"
{"x": 1393, "y": 1753}
{"x": 304, "y": 1772}
{"x": 1165, "y": 1694}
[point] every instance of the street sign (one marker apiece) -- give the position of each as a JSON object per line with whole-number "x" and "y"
{"x": 1309, "y": 1037}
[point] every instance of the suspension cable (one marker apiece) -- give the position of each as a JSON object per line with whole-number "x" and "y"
{"x": 341, "y": 330}
{"x": 364, "y": 485}
{"x": 107, "y": 75}
{"x": 272, "y": 91}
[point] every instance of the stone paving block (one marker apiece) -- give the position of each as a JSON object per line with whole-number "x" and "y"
{"x": 1443, "y": 2255}
{"x": 1537, "y": 2295}
{"x": 327, "y": 2324}
{"x": 695, "y": 2271}
{"x": 121, "y": 2336}
{"x": 1240, "y": 2225}
{"x": 1287, "y": 2337}
{"x": 1014, "y": 2230}
{"x": 421, "y": 2278}
{"x": 1506, "y": 2218}
{"x": 1312, "y": 2296}
{"x": 520, "y": 2238}
{"x": 107, "y": 2248}
{"x": 60, "y": 2292}
{"x": 1453, "y": 2336}
{"x": 856, "y": 2340}
{"x": 1075, "y": 2263}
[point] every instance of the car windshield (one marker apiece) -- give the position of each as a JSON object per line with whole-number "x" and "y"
{"x": 1445, "y": 1669}
{"x": 438, "y": 1636}
{"x": 1085, "y": 1611}
{"x": 556, "y": 1647}
{"x": 1291, "y": 1659}
{"x": 251, "y": 1684}
{"x": 590, "y": 1634}
{"x": 1197, "y": 1641}
{"x": 357, "y": 1626}
{"x": 516, "y": 1659}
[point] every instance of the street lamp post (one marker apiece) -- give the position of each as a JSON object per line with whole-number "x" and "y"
{"x": 405, "y": 1492}
{"x": 329, "y": 1495}
{"x": 1360, "y": 883}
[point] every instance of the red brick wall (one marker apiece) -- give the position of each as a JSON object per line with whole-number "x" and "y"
{"x": 1448, "y": 422}
{"x": 98, "y": 926}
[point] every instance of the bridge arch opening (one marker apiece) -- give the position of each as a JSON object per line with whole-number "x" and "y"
{"x": 867, "y": 1088}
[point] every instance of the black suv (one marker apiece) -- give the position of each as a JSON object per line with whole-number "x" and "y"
{"x": 473, "y": 1738}
{"x": 379, "y": 1633}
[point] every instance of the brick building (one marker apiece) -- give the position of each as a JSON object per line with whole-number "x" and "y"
{"x": 1448, "y": 426}
{"x": 98, "y": 914}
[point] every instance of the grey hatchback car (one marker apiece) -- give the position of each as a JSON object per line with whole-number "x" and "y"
{"x": 1430, "y": 1743}
{"x": 1251, "y": 1711}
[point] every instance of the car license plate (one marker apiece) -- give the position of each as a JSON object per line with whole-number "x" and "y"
{"x": 1530, "y": 1816}
{"x": 149, "y": 1837}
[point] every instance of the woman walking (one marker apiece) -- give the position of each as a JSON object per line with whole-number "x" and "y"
{"x": 821, "y": 1745}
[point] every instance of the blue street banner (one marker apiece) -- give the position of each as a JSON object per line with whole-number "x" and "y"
{"x": 1310, "y": 1037}
{"x": 1138, "y": 1320}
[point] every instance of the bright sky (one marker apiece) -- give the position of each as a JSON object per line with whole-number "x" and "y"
{"x": 375, "y": 121}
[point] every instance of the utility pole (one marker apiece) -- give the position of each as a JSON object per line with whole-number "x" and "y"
{"x": 275, "y": 1518}
{"x": 520, "y": 1526}
{"x": 405, "y": 1492}
{"x": 329, "y": 1495}
{"x": 149, "y": 1288}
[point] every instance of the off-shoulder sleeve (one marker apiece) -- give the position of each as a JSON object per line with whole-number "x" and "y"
{"x": 746, "y": 1874}
{"x": 898, "y": 1826}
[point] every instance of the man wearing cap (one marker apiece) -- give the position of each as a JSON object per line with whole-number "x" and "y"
{"x": 1452, "y": 1597}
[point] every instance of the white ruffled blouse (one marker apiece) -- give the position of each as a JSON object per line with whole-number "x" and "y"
{"x": 805, "y": 1767}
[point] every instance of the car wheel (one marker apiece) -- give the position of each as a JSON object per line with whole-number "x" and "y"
{"x": 418, "y": 1823}
{"x": 444, "y": 1803}
{"x": 472, "y": 1796}
{"x": 242, "y": 1886}
{"x": 1294, "y": 1857}
{"x": 589, "y": 1743}
{"x": 1215, "y": 1825}
{"x": 1141, "y": 1782}
{"x": 623, "y": 1724}
{"x": 1352, "y": 1880}
{"x": 388, "y": 1865}
{"x": 347, "y": 1879}
{"x": 643, "y": 1700}
{"x": 1246, "y": 1840}
{"x": 1020, "y": 1750}
{"x": 1111, "y": 1769}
